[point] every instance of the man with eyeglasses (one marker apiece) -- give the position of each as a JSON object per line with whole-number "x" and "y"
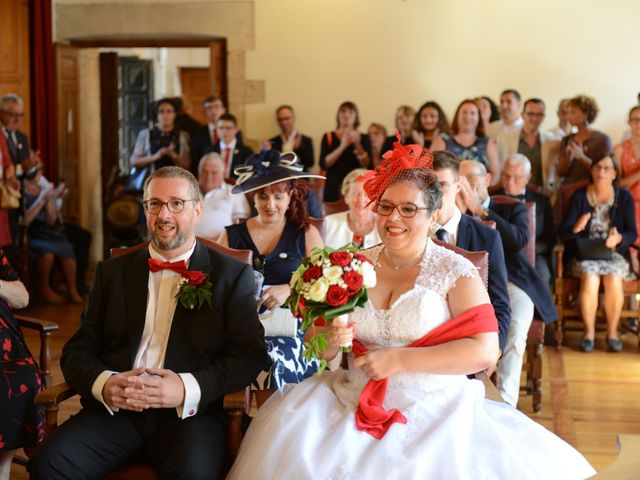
{"x": 540, "y": 147}
{"x": 527, "y": 291}
{"x": 290, "y": 140}
{"x": 516, "y": 174}
{"x": 462, "y": 231}
{"x": 152, "y": 372}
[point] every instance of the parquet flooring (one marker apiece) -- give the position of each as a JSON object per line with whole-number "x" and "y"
{"x": 587, "y": 398}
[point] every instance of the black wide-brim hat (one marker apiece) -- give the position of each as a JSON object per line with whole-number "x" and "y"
{"x": 267, "y": 168}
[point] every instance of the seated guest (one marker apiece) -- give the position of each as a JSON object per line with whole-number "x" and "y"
{"x": 47, "y": 237}
{"x": 488, "y": 109}
{"x": 357, "y": 225}
{"x": 7, "y": 175}
{"x": 462, "y": 231}
{"x": 290, "y": 140}
{"x": 232, "y": 150}
{"x": 405, "y": 408}
{"x": 527, "y": 291}
{"x": 467, "y": 139}
{"x": 510, "y": 119}
{"x": 626, "y": 135}
{"x": 152, "y": 372}
{"x": 205, "y": 137}
{"x": 21, "y": 421}
{"x": 541, "y": 148}
{"x": 579, "y": 150}
{"x": 164, "y": 144}
{"x": 343, "y": 150}
{"x": 428, "y": 123}
{"x": 279, "y": 236}
{"x": 516, "y": 173}
{"x": 605, "y": 214}
{"x": 377, "y": 137}
{"x": 219, "y": 207}
{"x": 404, "y": 125}
{"x": 564, "y": 126}
{"x": 627, "y": 154}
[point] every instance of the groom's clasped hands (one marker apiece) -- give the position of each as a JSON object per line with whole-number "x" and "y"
{"x": 144, "y": 388}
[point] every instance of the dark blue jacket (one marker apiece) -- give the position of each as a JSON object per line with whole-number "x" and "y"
{"x": 512, "y": 224}
{"x": 622, "y": 214}
{"x": 475, "y": 237}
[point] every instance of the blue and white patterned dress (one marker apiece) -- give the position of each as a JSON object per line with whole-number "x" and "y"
{"x": 289, "y": 365}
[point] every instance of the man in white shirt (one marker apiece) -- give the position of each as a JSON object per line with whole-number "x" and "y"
{"x": 153, "y": 369}
{"x": 510, "y": 118}
{"x": 564, "y": 126}
{"x": 219, "y": 206}
{"x": 232, "y": 150}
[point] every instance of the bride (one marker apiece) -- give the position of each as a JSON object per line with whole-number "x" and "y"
{"x": 405, "y": 408}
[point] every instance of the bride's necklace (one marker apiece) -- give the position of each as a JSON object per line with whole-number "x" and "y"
{"x": 397, "y": 266}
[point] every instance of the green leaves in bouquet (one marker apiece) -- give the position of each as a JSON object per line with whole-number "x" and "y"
{"x": 314, "y": 348}
{"x": 194, "y": 296}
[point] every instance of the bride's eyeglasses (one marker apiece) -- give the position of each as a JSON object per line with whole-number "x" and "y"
{"x": 406, "y": 210}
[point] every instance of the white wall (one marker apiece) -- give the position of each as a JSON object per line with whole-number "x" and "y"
{"x": 383, "y": 53}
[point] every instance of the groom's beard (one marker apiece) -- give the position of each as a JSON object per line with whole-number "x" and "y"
{"x": 179, "y": 238}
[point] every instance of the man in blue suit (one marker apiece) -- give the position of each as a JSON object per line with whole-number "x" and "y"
{"x": 469, "y": 234}
{"x": 527, "y": 291}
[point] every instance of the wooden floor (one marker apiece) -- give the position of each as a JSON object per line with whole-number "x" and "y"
{"x": 587, "y": 398}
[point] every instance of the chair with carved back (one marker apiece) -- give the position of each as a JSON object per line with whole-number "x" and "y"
{"x": 335, "y": 207}
{"x": 532, "y": 364}
{"x": 236, "y": 403}
{"x": 567, "y": 288}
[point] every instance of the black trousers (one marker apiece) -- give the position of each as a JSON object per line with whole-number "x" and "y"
{"x": 93, "y": 443}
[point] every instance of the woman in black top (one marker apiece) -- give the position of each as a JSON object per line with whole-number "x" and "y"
{"x": 343, "y": 150}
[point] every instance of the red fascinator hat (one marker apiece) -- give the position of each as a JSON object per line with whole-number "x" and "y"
{"x": 394, "y": 162}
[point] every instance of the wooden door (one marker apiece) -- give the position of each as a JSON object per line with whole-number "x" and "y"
{"x": 195, "y": 84}
{"x": 68, "y": 90}
{"x": 218, "y": 69}
{"x": 14, "y": 54}
{"x": 136, "y": 97}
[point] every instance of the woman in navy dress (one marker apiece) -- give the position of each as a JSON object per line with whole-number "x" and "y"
{"x": 279, "y": 236}
{"x": 21, "y": 421}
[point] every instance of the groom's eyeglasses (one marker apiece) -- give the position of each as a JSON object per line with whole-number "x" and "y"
{"x": 175, "y": 205}
{"x": 406, "y": 210}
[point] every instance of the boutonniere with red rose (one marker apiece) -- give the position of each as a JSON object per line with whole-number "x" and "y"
{"x": 328, "y": 285}
{"x": 195, "y": 289}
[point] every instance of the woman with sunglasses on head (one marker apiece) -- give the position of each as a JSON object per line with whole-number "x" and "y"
{"x": 163, "y": 145}
{"x": 598, "y": 229}
{"x": 279, "y": 236}
{"x": 405, "y": 408}
{"x": 467, "y": 139}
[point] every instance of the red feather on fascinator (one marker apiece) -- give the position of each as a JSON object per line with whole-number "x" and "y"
{"x": 401, "y": 158}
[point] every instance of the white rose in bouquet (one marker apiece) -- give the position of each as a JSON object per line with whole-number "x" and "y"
{"x": 318, "y": 290}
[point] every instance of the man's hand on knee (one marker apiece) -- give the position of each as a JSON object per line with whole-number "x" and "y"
{"x": 162, "y": 389}
{"x": 113, "y": 391}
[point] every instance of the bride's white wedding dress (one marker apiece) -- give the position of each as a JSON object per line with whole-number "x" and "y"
{"x": 308, "y": 431}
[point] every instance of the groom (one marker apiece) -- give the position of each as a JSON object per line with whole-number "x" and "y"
{"x": 152, "y": 374}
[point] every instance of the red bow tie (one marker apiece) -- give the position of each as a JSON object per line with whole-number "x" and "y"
{"x": 158, "y": 265}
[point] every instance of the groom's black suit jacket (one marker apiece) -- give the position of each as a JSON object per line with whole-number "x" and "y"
{"x": 222, "y": 346}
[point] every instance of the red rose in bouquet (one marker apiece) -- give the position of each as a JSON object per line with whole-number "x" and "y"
{"x": 340, "y": 259}
{"x": 194, "y": 277}
{"x": 337, "y": 296}
{"x": 353, "y": 281}
{"x": 313, "y": 273}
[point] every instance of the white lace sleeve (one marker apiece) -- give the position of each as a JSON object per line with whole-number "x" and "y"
{"x": 441, "y": 268}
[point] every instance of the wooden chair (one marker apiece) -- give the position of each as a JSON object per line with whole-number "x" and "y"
{"x": 567, "y": 288}
{"x": 532, "y": 364}
{"x": 236, "y": 403}
{"x": 319, "y": 224}
{"x": 335, "y": 207}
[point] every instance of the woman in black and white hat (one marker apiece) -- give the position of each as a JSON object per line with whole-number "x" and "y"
{"x": 279, "y": 236}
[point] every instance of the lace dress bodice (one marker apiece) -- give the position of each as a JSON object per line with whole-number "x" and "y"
{"x": 415, "y": 313}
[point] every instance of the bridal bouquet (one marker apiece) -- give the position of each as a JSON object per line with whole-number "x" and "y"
{"x": 328, "y": 285}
